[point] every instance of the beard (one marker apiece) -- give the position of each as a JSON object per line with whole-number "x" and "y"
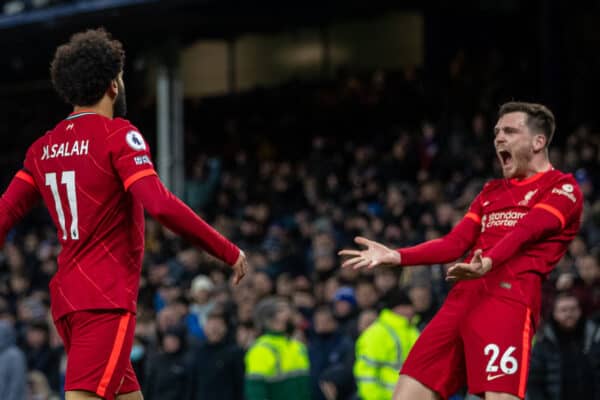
{"x": 521, "y": 156}
{"x": 120, "y": 106}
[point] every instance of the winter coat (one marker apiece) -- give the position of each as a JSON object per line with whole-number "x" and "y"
{"x": 13, "y": 367}
{"x": 168, "y": 376}
{"x": 547, "y": 367}
{"x": 335, "y": 351}
{"x": 218, "y": 372}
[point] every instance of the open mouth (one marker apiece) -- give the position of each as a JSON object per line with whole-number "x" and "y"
{"x": 505, "y": 158}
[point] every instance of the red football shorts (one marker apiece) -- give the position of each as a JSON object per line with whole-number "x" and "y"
{"x": 98, "y": 345}
{"x": 477, "y": 340}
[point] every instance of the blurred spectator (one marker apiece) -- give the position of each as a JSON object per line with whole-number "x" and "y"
{"x": 218, "y": 366}
{"x": 284, "y": 285}
{"x": 168, "y": 374}
{"x": 245, "y": 335}
{"x": 263, "y": 284}
{"x": 345, "y": 309}
{"x": 13, "y": 366}
{"x": 366, "y": 294}
{"x": 565, "y": 362}
{"x": 277, "y": 366}
{"x": 139, "y": 355}
{"x": 587, "y": 286}
{"x": 365, "y": 319}
{"x": 200, "y": 188}
{"x": 386, "y": 279}
{"x": 201, "y": 304}
{"x": 40, "y": 355}
{"x": 421, "y": 296}
{"x": 330, "y": 350}
{"x": 39, "y": 389}
{"x": 382, "y": 348}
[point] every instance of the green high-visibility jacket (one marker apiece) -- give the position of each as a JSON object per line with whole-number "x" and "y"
{"x": 277, "y": 367}
{"x": 380, "y": 352}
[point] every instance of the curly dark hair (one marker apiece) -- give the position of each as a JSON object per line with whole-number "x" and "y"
{"x": 83, "y": 68}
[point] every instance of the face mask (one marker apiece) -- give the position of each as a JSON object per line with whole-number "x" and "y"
{"x": 137, "y": 352}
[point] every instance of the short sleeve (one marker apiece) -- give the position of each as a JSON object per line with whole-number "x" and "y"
{"x": 130, "y": 155}
{"x": 563, "y": 199}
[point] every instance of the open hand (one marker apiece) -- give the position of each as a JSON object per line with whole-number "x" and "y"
{"x": 375, "y": 254}
{"x": 240, "y": 268}
{"x": 478, "y": 267}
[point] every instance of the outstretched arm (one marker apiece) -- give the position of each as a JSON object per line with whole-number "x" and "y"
{"x": 20, "y": 197}
{"x": 446, "y": 249}
{"x": 178, "y": 217}
{"x": 437, "y": 251}
{"x": 130, "y": 156}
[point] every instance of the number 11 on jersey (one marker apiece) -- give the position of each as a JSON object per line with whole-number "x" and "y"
{"x": 67, "y": 179}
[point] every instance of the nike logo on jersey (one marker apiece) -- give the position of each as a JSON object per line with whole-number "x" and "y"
{"x": 492, "y": 377}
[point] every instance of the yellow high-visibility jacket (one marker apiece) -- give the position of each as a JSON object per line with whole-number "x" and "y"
{"x": 277, "y": 368}
{"x": 380, "y": 352}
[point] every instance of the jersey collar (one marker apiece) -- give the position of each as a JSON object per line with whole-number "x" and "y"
{"x": 531, "y": 179}
{"x": 80, "y": 113}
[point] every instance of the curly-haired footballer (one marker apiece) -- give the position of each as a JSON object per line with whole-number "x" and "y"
{"x": 94, "y": 172}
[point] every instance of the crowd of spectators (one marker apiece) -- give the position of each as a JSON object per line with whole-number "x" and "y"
{"x": 292, "y": 175}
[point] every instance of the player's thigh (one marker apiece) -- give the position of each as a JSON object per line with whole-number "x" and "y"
{"x": 497, "y": 338}
{"x": 80, "y": 395}
{"x": 500, "y": 396}
{"x": 437, "y": 359}
{"x": 409, "y": 388}
{"x": 100, "y": 351}
{"x": 137, "y": 395}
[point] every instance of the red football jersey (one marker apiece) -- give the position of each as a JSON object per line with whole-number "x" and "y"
{"x": 82, "y": 169}
{"x": 499, "y": 208}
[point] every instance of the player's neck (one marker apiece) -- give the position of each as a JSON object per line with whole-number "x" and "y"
{"x": 538, "y": 165}
{"x": 104, "y": 107}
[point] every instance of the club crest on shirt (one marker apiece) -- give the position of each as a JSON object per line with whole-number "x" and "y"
{"x": 527, "y": 197}
{"x": 135, "y": 140}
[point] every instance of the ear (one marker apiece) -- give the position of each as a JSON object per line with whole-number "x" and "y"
{"x": 539, "y": 142}
{"x": 113, "y": 89}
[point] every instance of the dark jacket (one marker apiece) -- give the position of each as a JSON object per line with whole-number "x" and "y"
{"x": 13, "y": 368}
{"x": 47, "y": 360}
{"x": 566, "y": 366}
{"x": 218, "y": 372}
{"x": 326, "y": 353}
{"x": 168, "y": 376}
